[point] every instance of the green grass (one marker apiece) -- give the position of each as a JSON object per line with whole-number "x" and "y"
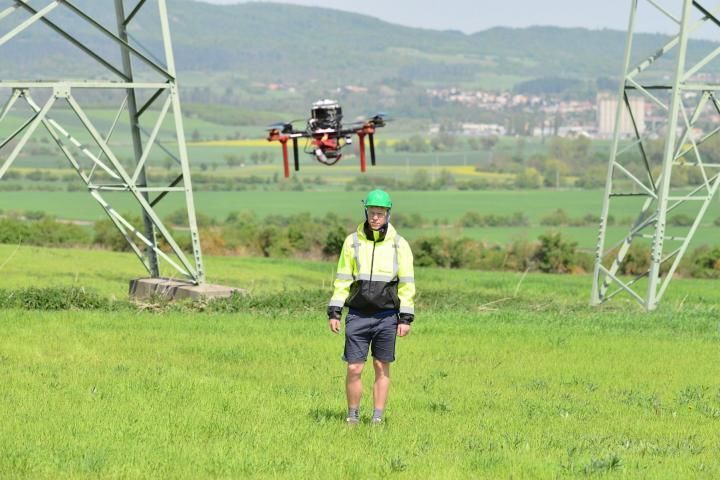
{"x": 503, "y": 376}
{"x": 109, "y": 273}
{"x": 431, "y": 205}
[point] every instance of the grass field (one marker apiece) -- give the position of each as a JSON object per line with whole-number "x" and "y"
{"x": 503, "y": 376}
{"x": 431, "y": 205}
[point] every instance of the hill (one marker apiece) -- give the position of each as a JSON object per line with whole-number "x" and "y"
{"x": 266, "y": 42}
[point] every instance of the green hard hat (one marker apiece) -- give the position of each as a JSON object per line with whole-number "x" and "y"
{"x": 378, "y": 198}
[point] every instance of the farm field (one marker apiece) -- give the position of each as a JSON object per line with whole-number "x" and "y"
{"x": 431, "y": 205}
{"x": 503, "y": 375}
{"x": 445, "y": 207}
{"x": 209, "y": 142}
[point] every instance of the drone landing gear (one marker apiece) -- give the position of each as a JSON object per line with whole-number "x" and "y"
{"x": 371, "y": 141}
{"x": 286, "y": 162}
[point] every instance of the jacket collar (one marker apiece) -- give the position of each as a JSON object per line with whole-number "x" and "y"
{"x": 387, "y": 231}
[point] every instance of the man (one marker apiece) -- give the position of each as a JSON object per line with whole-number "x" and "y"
{"x": 375, "y": 280}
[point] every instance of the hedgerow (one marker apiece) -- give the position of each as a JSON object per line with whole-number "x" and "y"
{"x": 301, "y": 235}
{"x": 59, "y": 298}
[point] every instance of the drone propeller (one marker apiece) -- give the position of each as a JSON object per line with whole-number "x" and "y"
{"x": 380, "y": 118}
{"x": 377, "y": 120}
{"x": 278, "y": 126}
{"x": 283, "y": 127}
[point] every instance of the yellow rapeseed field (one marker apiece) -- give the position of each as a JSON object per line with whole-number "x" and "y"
{"x": 469, "y": 170}
{"x": 250, "y": 142}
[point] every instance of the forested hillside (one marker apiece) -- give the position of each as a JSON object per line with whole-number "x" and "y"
{"x": 276, "y": 42}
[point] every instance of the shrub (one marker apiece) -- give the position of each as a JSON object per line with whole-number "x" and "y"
{"x": 35, "y": 214}
{"x": 212, "y": 240}
{"x": 334, "y": 241}
{"x": 44, "y": 232}
{"x": 108, "y": 236}
{"x": 555, "y": 219}
{"x": 179, "y": 218}
{"x": 273, "y": 243}
{"x": 705, "y": 262}
{"x": 404, "y": 220}
{"x": 528, "y": 178}
{"x": 472, "y": 219}
{"x": 555, "y": 254}
{"x": 432, "y": 252}
{"x": 13, "y": 231}
{"x": 636, "y": 261}
{"x": 518, "y": 256}
{"x": 681, "y": 220}
{"x": 49, "y": 232}
{"x": 519, "y": 219}
{"x": 466, "y": 253}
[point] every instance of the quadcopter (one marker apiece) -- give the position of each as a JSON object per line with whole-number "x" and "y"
{"x": 326, "y": 135}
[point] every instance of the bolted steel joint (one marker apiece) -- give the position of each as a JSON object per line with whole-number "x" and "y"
{"x": 62, "y": 90}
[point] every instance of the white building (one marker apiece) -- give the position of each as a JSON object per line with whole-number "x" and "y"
{"x": 483, "y": 129}
{"x": 606, "y": 110}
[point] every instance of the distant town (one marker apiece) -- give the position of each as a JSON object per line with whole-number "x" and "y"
{"x": 588, "y": 118}
{"x": 540, "y": 115}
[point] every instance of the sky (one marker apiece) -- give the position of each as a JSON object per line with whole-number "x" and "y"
{"x": 475, "y": 15}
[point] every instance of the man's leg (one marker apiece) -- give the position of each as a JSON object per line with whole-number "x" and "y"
{"x": 353, "y": 388}
{"x": 383, "y": 351}
{"x": 357, "y": 343}
{"x": 380, "y": 387}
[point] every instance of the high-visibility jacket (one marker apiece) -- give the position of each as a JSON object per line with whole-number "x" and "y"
{"x": 375, "y": 273}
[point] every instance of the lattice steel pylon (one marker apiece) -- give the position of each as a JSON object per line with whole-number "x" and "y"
{"x": 125, "y": 161}
{"x": 681, "y": 178}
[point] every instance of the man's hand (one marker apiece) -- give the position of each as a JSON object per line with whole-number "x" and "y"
{"x": 403, "y": 329}
{"x": 334, "y": 325}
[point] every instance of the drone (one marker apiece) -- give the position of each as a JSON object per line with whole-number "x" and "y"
{"x": 326, "y": 135}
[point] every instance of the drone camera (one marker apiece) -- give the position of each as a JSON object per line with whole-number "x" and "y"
{"x": 326, "y": 114}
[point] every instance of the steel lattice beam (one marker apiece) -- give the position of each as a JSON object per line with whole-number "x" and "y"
{"x": 94, "y": 156}
{"x": 685, "y": 99}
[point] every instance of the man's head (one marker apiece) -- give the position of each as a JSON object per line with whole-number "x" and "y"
{"x": 377, "y": 208}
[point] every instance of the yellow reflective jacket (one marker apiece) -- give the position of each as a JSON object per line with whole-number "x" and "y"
{"x": 375, "y": 273}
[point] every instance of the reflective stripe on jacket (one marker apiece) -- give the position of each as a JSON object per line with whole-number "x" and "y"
{"x": 375, "y": 274}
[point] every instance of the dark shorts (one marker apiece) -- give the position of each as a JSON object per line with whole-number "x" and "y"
{"x": 363, "y": 331}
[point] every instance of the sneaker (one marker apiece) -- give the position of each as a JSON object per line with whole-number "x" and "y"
{"x": 377, "y": 421}
{"x": 352, "y": 421}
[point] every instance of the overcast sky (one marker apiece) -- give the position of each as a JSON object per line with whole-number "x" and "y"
{"x": 475, "y": 15}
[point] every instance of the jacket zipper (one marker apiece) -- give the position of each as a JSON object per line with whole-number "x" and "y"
{"x": 372, "y": 259}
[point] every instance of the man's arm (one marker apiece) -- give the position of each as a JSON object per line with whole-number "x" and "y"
{"x": 406, "y": 284}
{"x": 343, "y": 279}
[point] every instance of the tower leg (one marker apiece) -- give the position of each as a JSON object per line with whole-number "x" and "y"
{"x": 136, "y": 139}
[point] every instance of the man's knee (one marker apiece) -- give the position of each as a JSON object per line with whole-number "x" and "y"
{"x": 381, "y": 368}
{"x": 355, "y": 369}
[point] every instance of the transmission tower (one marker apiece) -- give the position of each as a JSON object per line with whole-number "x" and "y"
{"x": 120, "y": 159}
{"x": 666, "y": 176}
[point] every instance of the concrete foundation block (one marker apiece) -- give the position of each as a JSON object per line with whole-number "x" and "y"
{"x": 173, "y": 289}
